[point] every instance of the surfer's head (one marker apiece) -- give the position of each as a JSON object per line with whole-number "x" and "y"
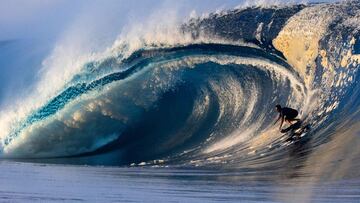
{"x": 278, "y": 108}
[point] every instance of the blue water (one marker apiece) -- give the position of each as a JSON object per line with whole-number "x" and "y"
{"x": 58, "y": 183}
{"x": 190, "y": 118}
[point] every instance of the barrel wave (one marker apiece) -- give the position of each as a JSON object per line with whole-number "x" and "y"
{"x": 206, "y": 97}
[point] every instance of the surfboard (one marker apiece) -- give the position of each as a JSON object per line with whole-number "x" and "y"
{"x": 296, "y": 131}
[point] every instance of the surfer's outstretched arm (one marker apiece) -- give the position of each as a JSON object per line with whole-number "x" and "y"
{"x": 277, "y": 119}
{"x": 282, "y": 121}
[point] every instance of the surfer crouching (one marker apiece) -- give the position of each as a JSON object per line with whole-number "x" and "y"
{"x": 287, "y": 114}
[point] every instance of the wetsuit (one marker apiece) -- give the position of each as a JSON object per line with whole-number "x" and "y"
{"x": 288, "y": 113}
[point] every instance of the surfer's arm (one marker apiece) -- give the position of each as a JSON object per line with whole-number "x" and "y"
{"x": 282, "y": 121}
{"x": 277, "y": 119}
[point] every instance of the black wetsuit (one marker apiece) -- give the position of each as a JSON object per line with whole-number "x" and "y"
{"x": 288, "y": 113}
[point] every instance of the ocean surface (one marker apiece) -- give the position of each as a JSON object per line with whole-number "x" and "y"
{"x": 31, "y": 182}
{"x": 184, "y": 112}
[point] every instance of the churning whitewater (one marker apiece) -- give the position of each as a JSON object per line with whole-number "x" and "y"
{"x": 200, "y": 93}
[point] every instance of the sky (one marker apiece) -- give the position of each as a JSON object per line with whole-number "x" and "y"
{"x": 49, "y": 18}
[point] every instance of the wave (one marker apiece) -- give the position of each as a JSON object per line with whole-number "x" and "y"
{"x": 205, "y": 98}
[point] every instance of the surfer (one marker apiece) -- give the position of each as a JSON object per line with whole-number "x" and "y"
{"x": 287, "y": 114}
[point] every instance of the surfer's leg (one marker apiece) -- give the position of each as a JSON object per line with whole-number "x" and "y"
{"x": 289, "y": 121}
{"x": 294, "y": 119}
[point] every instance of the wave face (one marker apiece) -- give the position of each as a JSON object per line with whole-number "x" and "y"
{"x": 207, "y": 98}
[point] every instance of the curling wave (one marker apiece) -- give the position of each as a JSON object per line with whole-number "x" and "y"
{"x": 205, "y": 100}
